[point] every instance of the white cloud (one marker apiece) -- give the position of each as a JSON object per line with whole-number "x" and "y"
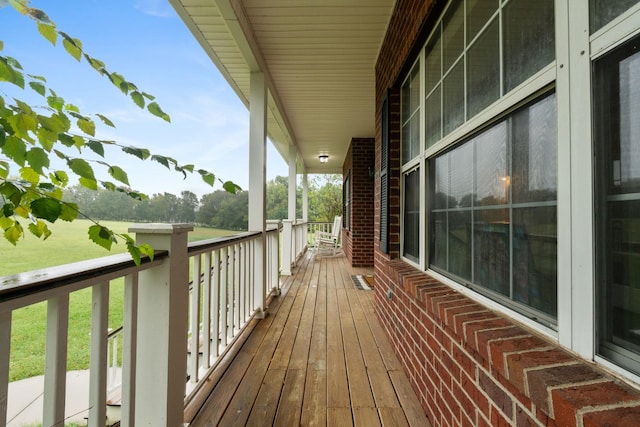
{"x": 158, "y": 8}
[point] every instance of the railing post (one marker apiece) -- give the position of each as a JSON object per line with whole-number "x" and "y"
{"x": 163, "y": 298}
{"x": 5, "y": 345}
{"x": 55, "y": 376}
{"x": 287, "y": 246}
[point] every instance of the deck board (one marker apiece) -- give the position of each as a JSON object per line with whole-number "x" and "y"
{"x": 319, "y": 358}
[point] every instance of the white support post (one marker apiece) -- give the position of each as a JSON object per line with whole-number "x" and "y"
{"x": 293, "y": 155}
{"x": 98, "y": 361}
{"x": 305, "y": 197}
{"x": 5, "y": 344}
{"x": 55, "y": 370}
{"x": 287, "y": 245}
{"x": 257, "y": 182}
{"x": 163, "y": 296}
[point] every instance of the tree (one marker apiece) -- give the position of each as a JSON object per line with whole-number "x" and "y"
{"x": 30, "y": 136}
{"x": 325, "y": 201}
{"x": 221, "y": 209}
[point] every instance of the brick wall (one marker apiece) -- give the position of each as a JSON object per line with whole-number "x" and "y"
{"x": 469, "y": 365}
{"x": 357, "y": 241}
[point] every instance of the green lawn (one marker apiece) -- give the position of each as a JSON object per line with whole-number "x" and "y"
{"x": 68, "y": 243}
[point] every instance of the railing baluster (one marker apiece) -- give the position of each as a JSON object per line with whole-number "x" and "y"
{"x": 224, "y": 286}
{"x": 195, "y": 322}
{"x": 206, "y": 312}
{"x": 215, "y": 302}
{"x": 5, "y": 344}
{"x": 55, "y": 371}
{"x": 239, "y": 289}
{"x": 232, "y": 289}
{"x": 129, "y": 349}
{"x": 98, "y": 359}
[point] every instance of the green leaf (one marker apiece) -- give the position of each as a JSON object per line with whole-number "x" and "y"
{"x": 119, "y": 81}
{"x": 231, "y": 187}
{"x": 105, "y": 120}
{"x": 38, "y": 159}
{"x": 47, "y": 138}
{"x": 91, "y": 184}
{"x": 135, "y": 253}
{"x": 57, "y": 122}
{"x": 22, "y": 211}
{"x": 72, "y": 46}
{"x": 137, "y": 98}
{"x": 161, "y": 159}
{"x": 155, "y": 109}
{"x": 108, "y": 185}
{"x": 69, "y": 211}
{"x": 66, "y": 140}
{"x": 38, "y": 15}
{"x": 95, "y": 63}
{"x": 148, "y": 96}
{"x": 38, "y": 87}
{"x": 15, "y": 149}
{"x": 21, "y": 6}
{"x": 187, "y": 168}
{"x": 87, "y": 126}
{"x": 96, "y": 147}
{"x": 141, "y": 153}
{"x": 119, "y": 174}
{"x": 59, "y": 178}
{"x": 48, "y": 31}
{"x": 22, "y": 124}
{"x": 147, "y": 250}
{"x": 40, "y": 229}
{"x": 6, "y": 222}
{"x": 55, "y": 102}
{"x": 29, "y": 175}
{"x": 13, "y": 233}
{"x": 6, "y": 211}
{"x": 102, "y": 236}
{"x": 4, "y": 169}
{"x": 46, "y": 208}
{"x": 9, "y": 74}
{"x": 207, "y": 177}
{"x": 81, "y": 168}
{"x": 1, "y": 45}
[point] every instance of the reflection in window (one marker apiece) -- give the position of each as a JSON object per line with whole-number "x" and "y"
{"x": 482, "y": 235}
{"x": 411, "y": 116}
{"x": 617, "y": 140}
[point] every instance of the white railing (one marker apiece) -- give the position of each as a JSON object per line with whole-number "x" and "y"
{"x": 324, "y": 227}
{"x": 162, "y": 320}
{"x": 226, "y": 296}
{"x": 294, "y": 243}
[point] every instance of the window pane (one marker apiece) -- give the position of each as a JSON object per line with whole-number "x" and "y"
{"x": 439, "y": 246}
{"x": 491, "y": 249}
{"x": 441, "y": 182}
{"x": 535, "y": 260}
{"x": 433, "y": 118}
{"x": 617, "y": 140}
{"x": 604, "y": 11}
{"x": 478, "y": 13}
{"x": 529, "y": 39}
{"x": 412, "y": 215}
{"x": 492, "y": 167}
{"x": 453, "y": 34}
{"x": 535, "y": 152}
{"x": 483, "y": 70}
{"x": 433, "y": 68}
{"x": 410, "y": 116}
{"x": 459, "y": 244}
{"x": 461, "y": 176}
{"x": 454, "y": 98}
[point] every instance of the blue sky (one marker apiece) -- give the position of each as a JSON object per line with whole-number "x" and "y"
{"x": 145, "y": 41}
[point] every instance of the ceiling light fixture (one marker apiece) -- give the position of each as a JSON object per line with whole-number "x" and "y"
{"x": 324, "y": 158}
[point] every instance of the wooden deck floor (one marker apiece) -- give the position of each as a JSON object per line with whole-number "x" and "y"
{"x": 319, "y": 358}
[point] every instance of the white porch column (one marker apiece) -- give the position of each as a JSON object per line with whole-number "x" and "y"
{"x": 163, "y": 295}
{"x": 305, "y": 197}
{"x": 293, "y": 156}
{"x": 257, "y": 182}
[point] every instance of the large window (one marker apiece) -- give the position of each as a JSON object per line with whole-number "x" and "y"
{"x": 617, "y": 140}
{"x": 504, "y": 46}
{"x": 493, "y": 218}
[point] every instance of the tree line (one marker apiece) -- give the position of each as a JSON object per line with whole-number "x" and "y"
{"x": 219, "y": 209}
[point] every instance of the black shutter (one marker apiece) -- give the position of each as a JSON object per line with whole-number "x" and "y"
{"x": 384, "y": 177}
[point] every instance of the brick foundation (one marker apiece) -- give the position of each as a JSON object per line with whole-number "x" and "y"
{"x": 474, "y": 367}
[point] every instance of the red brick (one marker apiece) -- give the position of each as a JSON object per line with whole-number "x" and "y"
{"x": 517, "y": 363}
{"x": 498, "y": 349}
{"x": 499, "y": 397}
{"x": 620, "y": 417}
{"x": 485, "y": 336}
{"x": 525, "y": 419}
{"x": 567, "y": 401}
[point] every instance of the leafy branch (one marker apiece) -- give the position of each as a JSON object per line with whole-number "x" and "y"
{"x": 30, "y": 136}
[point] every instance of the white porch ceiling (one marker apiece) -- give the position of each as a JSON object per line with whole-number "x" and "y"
{"x": 318, "y": 57}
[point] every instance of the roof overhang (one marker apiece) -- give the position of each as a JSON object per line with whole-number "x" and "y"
{"x": 318, "y": 58}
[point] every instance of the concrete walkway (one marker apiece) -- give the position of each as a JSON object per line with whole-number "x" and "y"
{"x": 24, "y": 405}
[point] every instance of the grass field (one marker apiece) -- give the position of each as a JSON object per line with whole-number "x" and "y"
{"x": 68, "y": 243}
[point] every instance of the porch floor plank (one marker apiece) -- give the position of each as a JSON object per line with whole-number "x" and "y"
{"x": 319, "y": 358}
